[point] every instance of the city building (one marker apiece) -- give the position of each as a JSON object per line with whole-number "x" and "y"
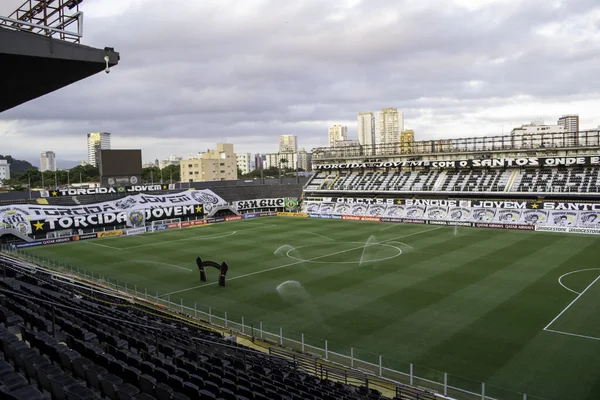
{"x": 389, "y": 122}
{"x": 47, "y": 161}
{"x": 97, "y": 141}
{"x": 172, "y": 160}
{"x": 366, "y": 128}
{"x": 407, "y": 140}
{"x": 569, "y": 122}
{"x": 244, "y": 162}
{"x": 337, "y": 133}
{"x": 288, "y": 144}
{"x": 431, "y": 146}
{"x": 259, "y": 161}
{"x": 213, "y": 165}
{"x": 538, "y": 134}
{"x": 305, "y": 160}
{"x": 281, "y": 160}
{"x": 4, "y": 170}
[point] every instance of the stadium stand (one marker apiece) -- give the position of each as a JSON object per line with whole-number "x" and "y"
{"x": 572, "y": 180}
{"x": 75, "y": 342}
{"x": 548, "y": 180}
{"x": 235, "y": 193}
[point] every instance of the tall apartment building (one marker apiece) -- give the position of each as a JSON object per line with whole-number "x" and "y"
{"x": 337, "y": 133}
{"x": 4, "y": 170}
{"x": 213, "y": 165}
{"x": 302, "y": 159}
{"x": 570, "y": 122}
{"x": 47, "y": 161}
{"x": 259, "y": 161}
{"x": 407, "y": 140}
{"x": 389, "y": 122}
{"x": 281, "y": 160}
{"x": 305, "y": 160}
{"x": 366, "y": 128}
{"x": 97, "y": 141}
{"x": 288, "y": 144}
{"x": 244, "y": 162}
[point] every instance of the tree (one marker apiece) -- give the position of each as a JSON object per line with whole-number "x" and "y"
{"x": 151, "y": 175}
{"x": 171, "y": 173}
{"x": 17, "y": 166}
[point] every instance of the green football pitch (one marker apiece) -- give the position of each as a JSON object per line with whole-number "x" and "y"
{"x": 517, "y": 310}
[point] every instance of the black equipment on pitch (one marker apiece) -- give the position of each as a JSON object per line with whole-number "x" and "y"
{"x": 223, "y": 268}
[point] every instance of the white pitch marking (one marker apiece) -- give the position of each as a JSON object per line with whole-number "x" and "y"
{"x": 298, "y": 262}
{"x": 346, "y": 262}
{"x": 571, "y": 303}
{"x": 573, "y": 272}
{"x": 161, "y": 263}
{"x": 215, "y": 236}
{"x": 572, "y": 334}
{"x": 318, "y": 234}
{"x": 99, "y": 244}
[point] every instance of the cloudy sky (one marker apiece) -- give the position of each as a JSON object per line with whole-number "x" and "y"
{"x": 193, "y": 73}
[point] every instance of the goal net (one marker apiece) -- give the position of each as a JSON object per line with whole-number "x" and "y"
{"x": 166, "y": 224}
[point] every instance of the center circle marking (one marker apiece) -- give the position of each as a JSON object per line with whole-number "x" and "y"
{"x": 398, "y": 250}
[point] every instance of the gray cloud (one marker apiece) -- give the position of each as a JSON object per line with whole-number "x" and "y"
{"x": 206, "y": 72}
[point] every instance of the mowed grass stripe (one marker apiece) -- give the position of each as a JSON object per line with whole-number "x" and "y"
{"x": 412, "y": 294}
{"x": 344, "y": 287}
{"x": 501, "y": 310}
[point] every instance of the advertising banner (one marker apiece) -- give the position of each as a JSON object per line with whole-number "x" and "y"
{"x": 523, "y": 162}
{"x": 292, "y": 214}
{"x": 482, "y": 213}
{"x": 133, "y": 211}
{"x": 108, "y": 190}
{"x": 118, "y": 232}
{"x": 133, "y": 218}
{"x": 135, "y": 231}
{"x": 86, "y": 236}
{"x": 281, "y": 202}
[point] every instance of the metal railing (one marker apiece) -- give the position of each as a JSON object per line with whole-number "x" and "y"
{"x": 546, "y": 142}
{"x": 47, "y": 18}
{"x": 377, "y": 365}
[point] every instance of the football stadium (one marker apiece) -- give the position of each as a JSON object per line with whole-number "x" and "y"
{"x": 448, "y": 269}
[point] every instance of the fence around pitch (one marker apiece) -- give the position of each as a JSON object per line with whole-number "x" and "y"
{"x": 394, "y": 371}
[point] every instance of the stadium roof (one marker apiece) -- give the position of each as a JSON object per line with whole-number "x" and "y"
{"x": 34, "y": 65}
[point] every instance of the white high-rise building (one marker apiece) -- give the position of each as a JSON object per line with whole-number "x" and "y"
{"x": 97, "y": 141}
{"x": 389, "y": 123}
{"x": 4, "y": 170}
{"x": 366, "y": 128}
{"x": 337, "y": 133}
{"x": 47, "y": 161}
{"x": 244, "y": 162}
{"x": 281, "y": 160}
{"x": 288, "y": 144}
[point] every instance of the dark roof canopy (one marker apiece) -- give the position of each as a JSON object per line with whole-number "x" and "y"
{"x": 34, "y": 65}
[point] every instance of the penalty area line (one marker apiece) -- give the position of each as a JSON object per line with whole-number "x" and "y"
{"x": 262, "y": 271}
{"x": 572, "y": 334}
{"x": 571, "y": 303}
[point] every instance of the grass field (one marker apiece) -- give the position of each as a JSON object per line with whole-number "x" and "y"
{"x": 483, "y": 304}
